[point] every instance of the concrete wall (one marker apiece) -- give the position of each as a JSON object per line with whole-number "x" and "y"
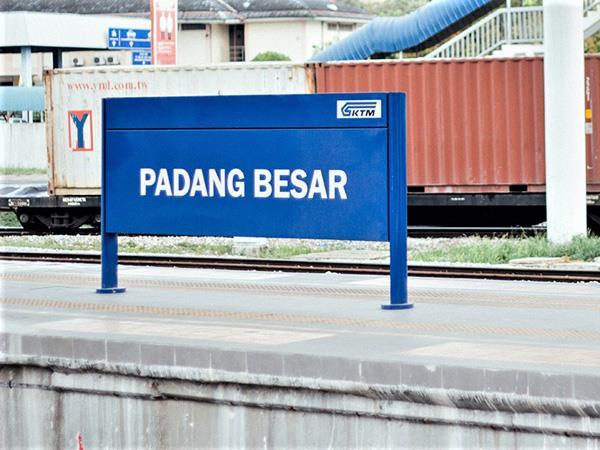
{"x": 23, "y": 145}
{"x": 46, "y": 407}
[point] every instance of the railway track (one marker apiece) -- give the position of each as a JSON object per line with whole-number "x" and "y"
{"x": 413, "y": 231}
{"x": 493, "y": 273}
{"x": 15, "y": 231}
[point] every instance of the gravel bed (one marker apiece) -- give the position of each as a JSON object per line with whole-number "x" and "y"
{"x": 347, "y": 251}
{"x": 60, "y": 241}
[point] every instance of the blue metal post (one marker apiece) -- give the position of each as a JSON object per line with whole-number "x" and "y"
{"x": 110, "y": 249}
{"x": 397, "y": 203}
{"x": 110, "y": 245}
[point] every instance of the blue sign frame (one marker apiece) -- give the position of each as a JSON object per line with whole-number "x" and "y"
{"x": 320, "y": 166}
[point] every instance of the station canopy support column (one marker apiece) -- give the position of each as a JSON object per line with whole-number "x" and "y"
{"x": 26, "y": 75}
{"x": 565, "y": 120}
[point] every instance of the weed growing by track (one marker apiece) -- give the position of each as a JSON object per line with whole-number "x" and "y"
{"x": 164, "y": 245}
{"x": 8, "y": 219}
{"x": 21, "y": 171}
{"x": 502, "y": 250}
{"x": 452, "y": 250}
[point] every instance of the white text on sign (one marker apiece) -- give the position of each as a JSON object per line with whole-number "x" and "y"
{"x": 267, "y": 183}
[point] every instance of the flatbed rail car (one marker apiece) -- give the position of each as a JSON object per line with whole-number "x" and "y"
{"x": 475, "y": 131}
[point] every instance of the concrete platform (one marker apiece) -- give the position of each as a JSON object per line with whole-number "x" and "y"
{"x": 294, "y": 360}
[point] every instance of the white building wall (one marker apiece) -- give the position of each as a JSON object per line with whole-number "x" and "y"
{"x": 219, "y": 43}
{"x": 120, "y": 57}
{"x": 287, "y": 37}
{"x": 314, "y": 37}
{"x": 194, "y": 47}
{"x": 340, "y": 31}
{"x": 10, "y": 65}
{"x": 23, "y": 145}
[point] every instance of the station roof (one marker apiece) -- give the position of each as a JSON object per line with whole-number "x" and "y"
{"x": 197, "y": 10}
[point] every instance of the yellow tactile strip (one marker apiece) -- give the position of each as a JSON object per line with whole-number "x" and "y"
{"x": 304, "y": 319}
{"x": 265, "y": 288}
{"x": 431, "y": 296}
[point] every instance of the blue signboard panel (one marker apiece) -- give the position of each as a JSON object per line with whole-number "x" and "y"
{"x": 128, "y": 38}
{"x": 282, "y": 185}
{"x": 298, "y": 166}
{"x": 141, "y": 57}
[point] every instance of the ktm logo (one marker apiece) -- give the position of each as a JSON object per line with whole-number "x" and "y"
{"x": 81, "y": 135}
{"x": 359, "y": 109}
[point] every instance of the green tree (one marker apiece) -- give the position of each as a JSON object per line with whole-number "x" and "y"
{"x": 271, "y": 56}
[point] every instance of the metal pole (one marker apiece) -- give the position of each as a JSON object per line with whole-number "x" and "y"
{"x": 26, "y": 75}
{"x": 508, "y": 22}
{"x": 110, "y": 250}
{"x": 397, "y": 204}
{"x": 564, "y": 96}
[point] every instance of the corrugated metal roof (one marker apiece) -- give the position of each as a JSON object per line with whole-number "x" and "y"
{"x": 202, "y": 9}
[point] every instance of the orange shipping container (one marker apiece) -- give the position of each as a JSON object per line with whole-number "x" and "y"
{"x": 473, "y": 125}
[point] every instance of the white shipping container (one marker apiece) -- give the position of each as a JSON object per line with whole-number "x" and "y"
{"x": 73, "y": 106}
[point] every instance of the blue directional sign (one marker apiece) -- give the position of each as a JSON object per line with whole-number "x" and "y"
{"x": 323, "y": 166}
{"x": 128, "y": 38}
{"x": 141, "y": 57}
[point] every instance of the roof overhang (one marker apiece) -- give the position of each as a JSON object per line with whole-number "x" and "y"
{"x": 47, "y": 31}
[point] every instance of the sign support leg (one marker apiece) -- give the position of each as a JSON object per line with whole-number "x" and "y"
{"x": 397, "y": 205}
{"x": 110, "y": 249}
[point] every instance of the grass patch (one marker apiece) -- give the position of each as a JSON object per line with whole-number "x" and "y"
{"x": 8, "y": 219}
{"x": 89, "y": 243}
{"x": 498, "y": 251}
{"x": 155, "y": 245}
{"x": 287, "y": 251}
{"x": 21, "y": 171}
{"x": 49, "y": 243}
{"x": 177, "y": 249}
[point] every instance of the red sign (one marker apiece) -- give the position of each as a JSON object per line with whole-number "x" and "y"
{"x": 163, "y": 14}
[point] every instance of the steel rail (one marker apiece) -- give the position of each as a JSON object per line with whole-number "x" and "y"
{"x": 207, "y": 262}
{"x": 416, "y": 231}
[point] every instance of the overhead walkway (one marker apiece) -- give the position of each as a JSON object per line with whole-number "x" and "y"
{"x": 507, "y": 31}
{"x": 414, "y": 32}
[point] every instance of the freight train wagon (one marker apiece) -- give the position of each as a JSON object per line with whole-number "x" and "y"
{"x": 475, "y": 131}
{"x": 475, "y": 135}
{"x": 74, "y": 129}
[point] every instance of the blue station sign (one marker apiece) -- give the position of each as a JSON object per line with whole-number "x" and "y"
{"x": 128, "y": 38}
{"x": 141, "y": 57}
{"x": 323, "y": 166}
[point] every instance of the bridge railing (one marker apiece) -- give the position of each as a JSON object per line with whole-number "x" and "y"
{"x": 515, "y": 25}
